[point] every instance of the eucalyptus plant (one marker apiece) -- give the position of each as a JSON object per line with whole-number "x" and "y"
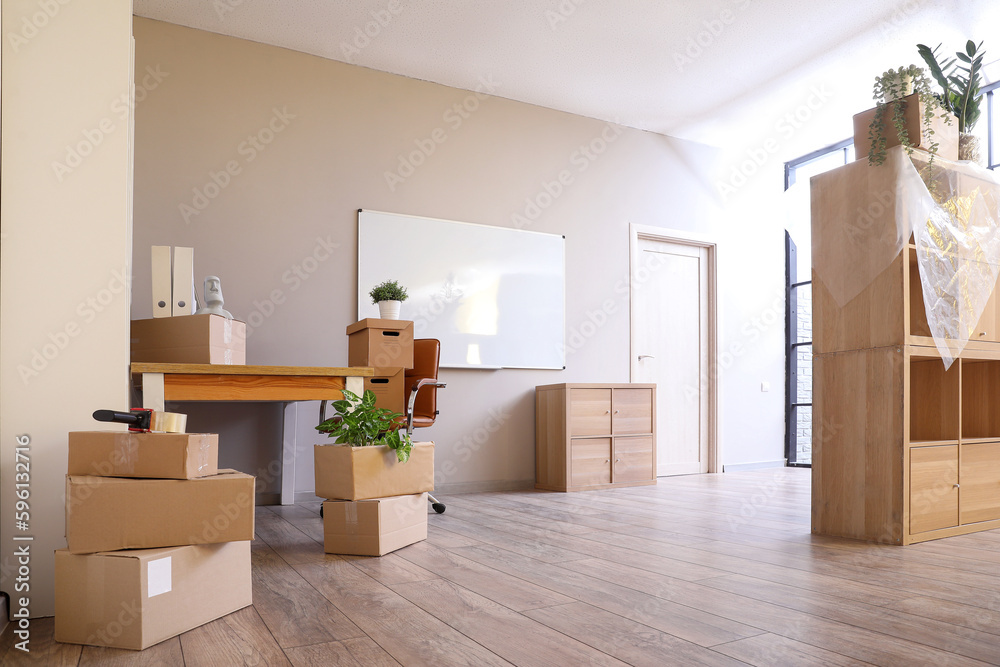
{"x": 960, "y": 94}
{"x": 359, "y": 423}
{"x": 890, "y": 87}
{"x": 389, "y": 290}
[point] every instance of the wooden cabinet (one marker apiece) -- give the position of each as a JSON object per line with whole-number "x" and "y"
{"x": 593, "y": 436}
{"x": 903, "y": 450}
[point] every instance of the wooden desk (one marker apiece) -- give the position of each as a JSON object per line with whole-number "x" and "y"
{"x": 282, "y": 384}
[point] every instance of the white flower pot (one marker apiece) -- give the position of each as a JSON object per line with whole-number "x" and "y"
{"x": 388, "y": 310}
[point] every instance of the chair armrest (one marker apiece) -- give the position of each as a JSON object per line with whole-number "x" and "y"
{"x": 422, "y": 382}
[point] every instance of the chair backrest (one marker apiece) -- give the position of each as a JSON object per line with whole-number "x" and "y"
{"x": 426, "y": 358}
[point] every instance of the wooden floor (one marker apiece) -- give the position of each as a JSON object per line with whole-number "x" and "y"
{"x": 698, "y": 570}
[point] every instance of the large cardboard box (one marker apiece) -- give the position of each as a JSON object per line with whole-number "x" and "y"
{"x": 160, "y": 455}
{"x": 374, "y": 527}
{"x": 344, "y": 472}
{"x": 375, "y": 342}
{"x": 190, "y": 339}
{"x": 134, "y": 599}
{"x": 110, "y": 513}
{"x": 946, "y": 135}
{"x": 388, "y": 386}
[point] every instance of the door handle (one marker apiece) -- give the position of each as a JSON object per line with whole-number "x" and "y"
{"x": 646, "y": 356}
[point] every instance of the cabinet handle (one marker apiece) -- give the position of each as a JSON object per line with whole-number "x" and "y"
{"x": 956, "y": 486}
{"x": 607, "y": 412}
{"x": 618, "y": 460}
{"x": 608, "y": 461}
{"x": 616, "y": 411}
{"x": 646, "y": 356}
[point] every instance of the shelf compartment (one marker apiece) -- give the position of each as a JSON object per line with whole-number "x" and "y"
{"x": 980, "y": 482}
{"x": 980, "y": 399}
{"x": 934, "y": 408}
{"x": 933, "y": 488}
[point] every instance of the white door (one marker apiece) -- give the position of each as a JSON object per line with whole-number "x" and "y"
{"x": 670, "y": 346}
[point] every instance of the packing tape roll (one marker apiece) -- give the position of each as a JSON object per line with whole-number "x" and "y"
{"x": 168, "y": 422}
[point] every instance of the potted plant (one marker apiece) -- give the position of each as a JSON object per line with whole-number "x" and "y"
{"x": 960, "y": 93}
{"x": 388, "y": 296}
{"x": 893, "y": 91}
{"x": 369, "y": 452}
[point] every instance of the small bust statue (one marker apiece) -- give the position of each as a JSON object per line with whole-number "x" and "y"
{"x": 213, "y": 298}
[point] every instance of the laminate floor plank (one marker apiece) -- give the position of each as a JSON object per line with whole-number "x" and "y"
{"x": 514, "y": 637}
{"x": 288, "y": 541}
{"x": 389, "y": 569}
{"x": 531, "y": 548}
{"x": 499, "y": 587}
{"x": 241, "y": 638}
{"x": 295, "y": 612}
{"x": 43, "y": 649}
{"x": 769, "y": 650}
{"x": 348, "y": 653}
{"x": 659, "y": 612}
{"x": 633, "y": 642}
{"x": 165, "y": 654}
{"x": 977, "y": 618}
{"x": 961, "y": 640}
{"x": 406, "y": 632}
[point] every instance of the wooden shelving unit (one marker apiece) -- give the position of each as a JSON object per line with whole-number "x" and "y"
{"x": 903, "y": 450}
{"x": 594, "y": 436}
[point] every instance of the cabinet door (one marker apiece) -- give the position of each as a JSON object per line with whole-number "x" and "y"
{"x": 632, "y": 411}
{"x": 633, "y": 459}
{"x": 589, "y": 411}
{"x": 980, "y": 482}
{"x": 987, "y": 328}
{"x": 933, "y": 488}
{"x": 590, "y": 461}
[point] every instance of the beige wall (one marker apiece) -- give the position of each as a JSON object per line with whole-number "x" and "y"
{"x": 64, "y": 304}
{"x": 259, "y": 158}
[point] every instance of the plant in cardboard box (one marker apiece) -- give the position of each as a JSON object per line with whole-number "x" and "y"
{"x": 388, "y": 295}
{"x": 359, "y": 423}
{"x": 889, "y": 90}
{"x": 959, "y": 78}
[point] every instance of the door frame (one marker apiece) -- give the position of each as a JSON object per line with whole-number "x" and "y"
{"x": 711, "y": 246}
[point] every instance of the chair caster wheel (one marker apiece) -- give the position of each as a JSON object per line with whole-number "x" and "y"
{"x": 438, "y": 507}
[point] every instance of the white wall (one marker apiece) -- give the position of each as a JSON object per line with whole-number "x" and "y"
{"x": 64, "y": 302}
{"x": 280, "y": 228}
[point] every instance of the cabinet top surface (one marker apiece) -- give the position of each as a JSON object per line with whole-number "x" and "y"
{"x": 595, "y": 385}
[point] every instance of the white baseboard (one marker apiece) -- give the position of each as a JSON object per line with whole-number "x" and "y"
{"x": 759, "y": 465}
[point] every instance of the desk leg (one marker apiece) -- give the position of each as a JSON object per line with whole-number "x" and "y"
{"x": 289, "y": 452}
{"x": 152, "y": 391}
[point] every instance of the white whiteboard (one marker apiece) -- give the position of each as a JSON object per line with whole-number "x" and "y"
{"x": 493, "y": 296}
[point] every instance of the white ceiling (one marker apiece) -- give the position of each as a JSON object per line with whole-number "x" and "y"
{"x": 721, "y": 72}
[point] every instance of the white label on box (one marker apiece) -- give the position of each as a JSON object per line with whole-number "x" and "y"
{"x": 158, "y": 577}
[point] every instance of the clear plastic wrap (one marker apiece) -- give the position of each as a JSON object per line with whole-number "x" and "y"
{"x": 864, "y": 217}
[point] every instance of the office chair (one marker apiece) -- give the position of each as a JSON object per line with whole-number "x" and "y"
{"x": 421, "y": 406}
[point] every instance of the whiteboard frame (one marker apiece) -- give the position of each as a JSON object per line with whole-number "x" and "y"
{"x": 363, "y": 296}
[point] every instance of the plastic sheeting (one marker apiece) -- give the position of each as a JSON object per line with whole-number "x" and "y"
{"x": 952, "y": 212}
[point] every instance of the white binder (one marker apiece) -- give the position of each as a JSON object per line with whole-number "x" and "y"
{"x": 162, "y": 277}
{"x": 184, "y": 296}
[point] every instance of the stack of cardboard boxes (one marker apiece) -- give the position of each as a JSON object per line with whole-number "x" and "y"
{"x": 376, "y": 504}
{"x": 158, "y": 538}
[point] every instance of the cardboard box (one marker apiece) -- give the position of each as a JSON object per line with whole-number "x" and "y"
{"x": 344, "y": 472}
{"x": 190, "y": 339}
{"x": 388, "y": 386}
{"x": 374, "y": 527}
{"x": 160, "y": 455}
{"x": 110, "y": 513}
{"x": 134, "y": 599}
{"x": 946, "y": 135}
{"x": 374, "y": 342}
